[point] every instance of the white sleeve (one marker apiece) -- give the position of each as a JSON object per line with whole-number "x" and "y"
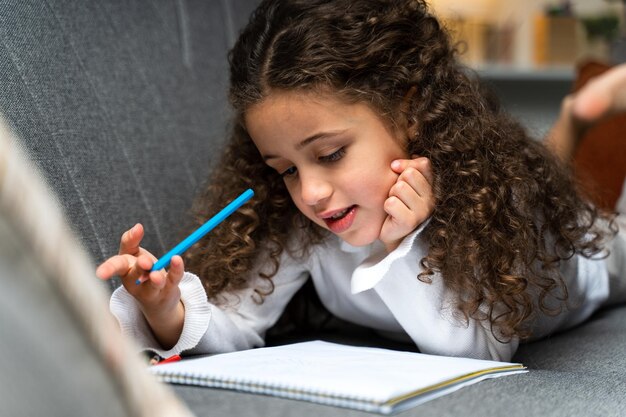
{"x": 423, "y": 309}
{"x": 237, "y": 323}
{"x": 133, "y": 323}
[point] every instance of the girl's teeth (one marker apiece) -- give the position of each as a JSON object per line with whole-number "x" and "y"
{"x": 339, "y": 215}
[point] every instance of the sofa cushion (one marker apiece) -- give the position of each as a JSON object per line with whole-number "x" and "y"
{"x": 121, "y": 104}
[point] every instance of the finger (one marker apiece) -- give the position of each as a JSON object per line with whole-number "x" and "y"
{"x": 105, "y": 271}
{"x": 131, "y": 239}
{"x": 398, "y": 214}
{"x": 425, "y": 168}
{"x": 407, "y": 195}
{"x": 177, "y": 270}
{"x": 602, "y": 96}
{"x": 157, "y": 279}
{"x": 413, "y": 189}
{"x": 118, "y": 265}
{"x": 421, "y": 164}
{"x": 417, "y": 182}
{"x": 145, "y": 262}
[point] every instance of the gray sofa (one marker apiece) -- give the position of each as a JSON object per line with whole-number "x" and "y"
{"x": 122, "y": 106}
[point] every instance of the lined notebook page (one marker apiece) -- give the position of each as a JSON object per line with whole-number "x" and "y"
{"x": 369, "y": 379}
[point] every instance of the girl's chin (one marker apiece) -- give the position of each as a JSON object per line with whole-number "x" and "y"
{"x": 358, "y": 241}
{"x": 355, "y": 236}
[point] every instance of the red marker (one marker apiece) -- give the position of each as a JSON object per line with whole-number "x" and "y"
{"x": 171, "y": 359}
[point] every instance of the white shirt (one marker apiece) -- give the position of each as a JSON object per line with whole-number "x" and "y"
{"x": 363, "y": 285}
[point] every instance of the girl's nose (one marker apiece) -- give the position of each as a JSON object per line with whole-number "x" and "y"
{"x": 315, "y": 190}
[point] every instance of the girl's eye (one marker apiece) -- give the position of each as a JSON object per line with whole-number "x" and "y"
{"x": 335, "y": 156}
{"x": 289, "y": 171}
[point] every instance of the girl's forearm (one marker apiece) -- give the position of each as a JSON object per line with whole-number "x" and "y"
{"x": 167, "y": 326}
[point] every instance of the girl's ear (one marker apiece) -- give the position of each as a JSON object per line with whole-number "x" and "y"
{"x": 411, "y": 129}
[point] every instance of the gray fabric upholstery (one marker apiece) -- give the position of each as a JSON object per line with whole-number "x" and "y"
{"x": 122, "y": 104}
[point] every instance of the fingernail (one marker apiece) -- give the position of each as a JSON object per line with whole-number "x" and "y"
{"x": 395, "y": 164}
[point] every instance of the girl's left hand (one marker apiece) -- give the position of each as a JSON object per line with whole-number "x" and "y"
{"x": 410, "y": 202}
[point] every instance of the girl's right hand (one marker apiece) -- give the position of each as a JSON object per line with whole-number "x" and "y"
{"x": 410, "y": 202}
{"x": 157, "y": 293}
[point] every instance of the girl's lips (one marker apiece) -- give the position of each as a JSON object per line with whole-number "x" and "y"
{"x": 343, "y": 223}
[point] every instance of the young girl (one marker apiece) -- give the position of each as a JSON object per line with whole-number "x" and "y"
{"x": 384, "y": 174}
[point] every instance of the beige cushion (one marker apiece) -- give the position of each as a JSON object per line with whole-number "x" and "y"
{"x": 61, "y": 352}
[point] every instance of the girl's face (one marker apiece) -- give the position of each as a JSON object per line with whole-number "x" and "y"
{"x": 334, "y": 157}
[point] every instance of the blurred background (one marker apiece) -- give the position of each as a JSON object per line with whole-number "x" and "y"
{"x": 530, "y": 51}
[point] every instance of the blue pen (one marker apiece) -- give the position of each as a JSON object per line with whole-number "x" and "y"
{"x": 202, "y": 230}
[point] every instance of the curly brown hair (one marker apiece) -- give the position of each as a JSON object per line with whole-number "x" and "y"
{"x": 507, "y": 211}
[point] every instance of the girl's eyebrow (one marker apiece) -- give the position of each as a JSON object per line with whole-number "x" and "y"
{"x": 321, "y": 135}
{"x": 309, "y": 140}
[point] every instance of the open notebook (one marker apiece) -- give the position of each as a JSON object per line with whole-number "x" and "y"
{"x": 363, "y": 378}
